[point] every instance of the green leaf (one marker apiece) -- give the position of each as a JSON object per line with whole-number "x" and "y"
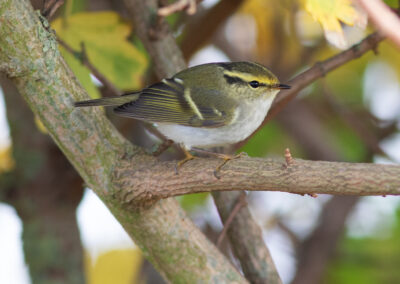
{"x": 367, "y": 260}
{"x": 104, "y": 35}
{"x": 191, "y": 201}
{"x": 270, "y": 139}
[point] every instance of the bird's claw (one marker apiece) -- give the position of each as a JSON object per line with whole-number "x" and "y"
{"x": 226, "y": 159}
{"x": 180, "y": 163}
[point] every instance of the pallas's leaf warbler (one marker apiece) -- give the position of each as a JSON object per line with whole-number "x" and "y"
{"x": 203, "y": 106}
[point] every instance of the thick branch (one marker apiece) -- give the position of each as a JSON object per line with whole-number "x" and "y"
{"x": 246, "y": 239}
{"x": 302, "y": 177}
{"x": 29, "y": 56}
{"x": 155, "y": 35}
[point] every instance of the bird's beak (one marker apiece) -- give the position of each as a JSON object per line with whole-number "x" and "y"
{"x": 280, "y": 86}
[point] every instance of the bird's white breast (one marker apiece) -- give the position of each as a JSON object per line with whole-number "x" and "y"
{"x": 247, "y": 119}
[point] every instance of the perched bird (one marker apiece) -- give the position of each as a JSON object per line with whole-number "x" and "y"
{"x": 203, "y": 106}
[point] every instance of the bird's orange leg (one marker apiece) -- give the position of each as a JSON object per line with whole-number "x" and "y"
{"x": 187, "y": 158}
{"x": 225, "y": 157}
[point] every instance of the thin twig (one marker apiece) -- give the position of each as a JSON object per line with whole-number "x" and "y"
{"x": 50, "y": 7}
{"x": 320, "y": 69}
{"x": 180, "y": 5}
{"x": 241, "y": 201}
{"x": 83, "y": 57}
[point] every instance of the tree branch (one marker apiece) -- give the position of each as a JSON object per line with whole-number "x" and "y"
{"x": 256, "y": 174}
{"x": 29, "y": 56}
{"x": 246, "y": 238}
{"x": 320, "y": 69}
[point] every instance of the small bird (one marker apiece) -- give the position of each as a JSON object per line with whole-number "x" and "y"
{"x": 204, "y": 106}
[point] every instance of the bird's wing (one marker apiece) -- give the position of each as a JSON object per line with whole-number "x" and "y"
{"x": 171, "y": 102}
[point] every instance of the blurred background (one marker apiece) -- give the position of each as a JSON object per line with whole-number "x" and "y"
{"x": 53, "y": 230}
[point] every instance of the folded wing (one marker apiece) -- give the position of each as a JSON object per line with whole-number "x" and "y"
{"x": 171, "y": 102}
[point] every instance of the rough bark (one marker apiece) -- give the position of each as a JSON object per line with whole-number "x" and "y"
{"x": 247, "y": 241}
{"x": 29, "y": 56}
{"x": 302, "y": 177}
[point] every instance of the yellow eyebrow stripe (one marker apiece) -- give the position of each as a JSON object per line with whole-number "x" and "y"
{"x": 247, "y": 77}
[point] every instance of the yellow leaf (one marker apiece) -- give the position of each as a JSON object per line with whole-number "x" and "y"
{"x": 7, "y": 162}
{"x": 105, "y": 35}
{"x": 266, "y": 21}
{"x": 116, "y": 266}
{"x": 331, "y": 14}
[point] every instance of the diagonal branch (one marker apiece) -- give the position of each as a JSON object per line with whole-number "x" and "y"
{"x": 246, "y": 238}
{"x": 29, "y": 56}
{"x": 319, "y": 70}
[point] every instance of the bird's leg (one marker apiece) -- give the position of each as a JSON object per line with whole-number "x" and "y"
{"x": 225, "y": 157}
{"x": 162, "y": 147}
{"x": 188, "y": 157}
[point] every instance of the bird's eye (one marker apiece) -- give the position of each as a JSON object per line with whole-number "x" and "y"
{"x": 254, "y": 84}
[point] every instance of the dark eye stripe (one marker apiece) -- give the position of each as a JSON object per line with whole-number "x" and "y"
{"x": 234, "y": 80}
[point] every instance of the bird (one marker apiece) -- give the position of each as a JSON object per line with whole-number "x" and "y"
{"x": 204, "y": 106}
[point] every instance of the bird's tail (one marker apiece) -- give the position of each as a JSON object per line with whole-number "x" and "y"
{"x": 111, "y": 101}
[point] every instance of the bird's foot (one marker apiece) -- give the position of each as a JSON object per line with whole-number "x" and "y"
{"x": 187, "y": 158}
{"x": 226, "y": 159}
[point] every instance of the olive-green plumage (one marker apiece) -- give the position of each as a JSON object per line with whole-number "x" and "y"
{"x": 202, "y": 99}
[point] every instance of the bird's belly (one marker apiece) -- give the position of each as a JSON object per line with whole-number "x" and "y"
{"x": 248, "y": 119}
